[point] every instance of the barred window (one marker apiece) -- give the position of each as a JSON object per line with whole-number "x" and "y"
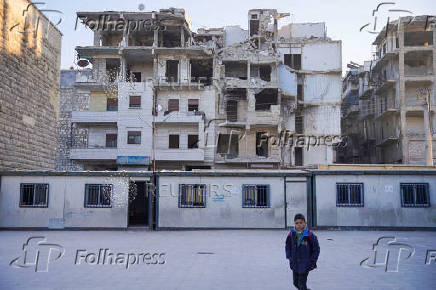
{"x": 33, "y": 195}
{"x": 98, "y": 195}
{"x": 255, "y": 195}
{"x": 414, "y": 195}
{"x": 192, "y": 195}
{"x": 349, "y": 194}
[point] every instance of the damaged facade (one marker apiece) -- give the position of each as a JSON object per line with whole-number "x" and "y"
{"x": 30, "y": 49}
{"x": 389, "y": 103}
{"x": 170, "y": 98}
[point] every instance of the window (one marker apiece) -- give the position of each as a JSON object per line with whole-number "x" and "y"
{"x": 135, "y": 102}
{"x": 112, "y": 104}
{"x": 192, "y": 141}
{"x": 349, "y": 194}
{"x": 298, "y": 156}
{"x": 414, "y": 195}
{"x": 172, "y": 70}
{"x": 134, "y": 137}
{"x": 33, "y": 195}
{"x": 111, "y": 140}
{"x": 255, "y": 195}
{"x": 192, "y": 195}
{"x": 136, "y": 77}
{"x": 173, "y": 105}
{"x": 293, "y": 61}
{"x": 262, "y": 144}
{"x": 228, "y": 145}
{"x": 98, "y": 195}
{"x": 173, "y": 141}
{"x": 192, "y": 104}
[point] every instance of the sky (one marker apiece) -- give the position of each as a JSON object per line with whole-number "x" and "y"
{"x": 343, "y": 18}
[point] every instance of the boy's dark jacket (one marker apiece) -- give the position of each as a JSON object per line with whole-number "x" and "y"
{"x": 302, "y": 257}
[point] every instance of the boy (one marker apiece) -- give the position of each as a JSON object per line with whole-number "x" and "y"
{"x": 302, "y": 250}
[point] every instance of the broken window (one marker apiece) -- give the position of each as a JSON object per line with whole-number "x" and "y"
{"x": 235, "y": 69}
{"x": 33, "y": 195}
{"x": 113, "y": 66}
{"x": 173, "y": 105}
{"x": 173, "y": 140}
{"x": 265, "y": 99}
{"x": 142, "y": 38}
{"x": 228, "y": 144}
{"x": 418, "y": 38}
{"x": 192, "y": 141}
{"x": 171, "y": 37}
{"x": 293, "y": 61}
{"x": 112, "y": 104}
{"x": 172, "y": 70}
{"x": 261, "y": 71}
{"x": 261, "y": 144}
{"x": 232, "y": 111}
{"x": 135, "y": 102}
{"x": 254, "y": 26}
{"x": 192, "y": 104}
{"x": 298, "y": 156}
{"x": 134, "y": 137}
{"x": 202, "y": 70}
{"x": 111, "y": 140}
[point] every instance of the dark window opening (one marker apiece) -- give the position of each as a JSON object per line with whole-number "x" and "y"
{"x": 192, "y": 141}
{"x": 173, "y": 141}
{"x": 173, "y": 105}
{"x": 134, "y": 101}
{"x": 349, "y": 194}
{"x": 236, "y": 69}
{"x": 418, "y": 38}
{"x": 261, "y": 71}
{"x": 262, "y": 144}
{"x": 298, "y": 156}
{"x": 193, "y": 104}
{"x": 143, "y": 38}
{"x": 300, "y": 92}
{"x": 254, "y": 27}
{"x": 202, "y": 71}
{"x": 112, "y": 104}
{"x": 236, "y": 93}
{"x": 171, "y": 38}
{"x": 255, "y": 195}
{"x": 299, "y": 123}
{"x": 293, "y": 61}
{"x": 111, "y": 140}
{"x": 265, "y": 99}
{"x": 33, "y": 195}
{"x": 415, "y": 195}
{"x": 228, "y": 144}
{"x": 134, "y": 137}
{"x": 113, "y": 66}
{"x": 172, "y": 70}
{"x": 136, "y": 77}
{"x": 232, "y": 111}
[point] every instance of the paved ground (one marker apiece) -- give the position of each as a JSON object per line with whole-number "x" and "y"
{"x": 229, "y": 259}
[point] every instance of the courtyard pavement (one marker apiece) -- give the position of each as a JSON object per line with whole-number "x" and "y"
{"x": 210, "y": 259}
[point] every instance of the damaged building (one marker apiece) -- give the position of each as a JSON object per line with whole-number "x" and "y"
{"x": 394, "y": 119}
{"x": 162, "y": 96}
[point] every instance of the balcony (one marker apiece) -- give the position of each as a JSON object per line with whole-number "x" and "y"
{"x": 94, "y": 116}
{"x": 241, "y": 159}
{"x": 94, "y": 153}
{"x": 180, "y": 117}
{"x": 387, "y": 107}
{"x": 179, "y": 154}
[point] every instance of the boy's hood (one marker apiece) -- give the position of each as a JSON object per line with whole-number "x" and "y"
{"x": 305, "y": 231}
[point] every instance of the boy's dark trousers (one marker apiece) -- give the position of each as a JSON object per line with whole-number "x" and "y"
{"x": 300, "y": 280}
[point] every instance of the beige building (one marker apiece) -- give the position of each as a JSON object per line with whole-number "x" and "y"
{"x": 30, "y": 49}
{"x": 396, "y": 117}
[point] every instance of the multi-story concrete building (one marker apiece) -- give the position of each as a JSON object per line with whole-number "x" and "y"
{"x": 159, "y": 95}
{"x": 397, "y": 95}
{"x": 29, "y": 87}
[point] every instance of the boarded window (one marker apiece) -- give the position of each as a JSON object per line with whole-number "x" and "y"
{"x": 134, "y": 137}
{"x": 111, "y": 140}
{"x": 173, "y": 105}
{"x": 192, "y": 141}
{"x": 192, "y": 195}
{"x": 172, "y": 70}
{"x": 349, "y": 194}
{"x": 112, "y": 104}
{"x": 33, "y": 195}
{"x": 193, "y": 104}
{"x": 415, "y": 195}
{"x": 98, "y": 195}
{"x": 135, "y": 102}
{"x": 173, "y": 141}
{"x": 255, "y": 195}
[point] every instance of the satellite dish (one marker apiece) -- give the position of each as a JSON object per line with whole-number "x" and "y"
{"x": 83, "y": 62}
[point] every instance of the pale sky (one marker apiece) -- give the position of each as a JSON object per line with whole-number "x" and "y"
{"x": 343, "y": 18}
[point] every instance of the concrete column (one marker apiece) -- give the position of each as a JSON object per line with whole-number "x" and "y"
{"x": 402, "y": 95}
{"x": 123, "y": 68}
{"x": 156, "y": 38}
{"x": 182, "y": 36}
{"x": 97, "y": 37}
{"x": 249, "y": 71}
